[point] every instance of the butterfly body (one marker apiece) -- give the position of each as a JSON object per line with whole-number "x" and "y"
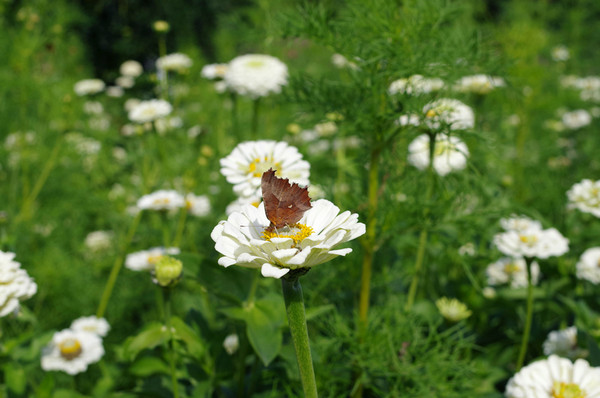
{"x": 285, "y": 203}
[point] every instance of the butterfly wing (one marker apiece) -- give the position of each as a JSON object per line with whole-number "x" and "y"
{"x": 285, "y": 202}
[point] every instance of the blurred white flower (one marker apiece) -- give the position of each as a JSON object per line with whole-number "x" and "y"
{"x": 214, "y": 71}
{"x": 125, "y": 81}
{"x": 532, "y": 242}
{"x": 176, "y": 62}
{"x": 93, "y": 108}
{"x": 326, "y": 129}
{"x": 576, "y": 119}
{"x": 167, "y": 124}
{"x": 198, "y": 206}
{"x": 99, "y": 240}
{"x": 145, "y": 260}
{"x": 115, "y": 91}
{"x": 416, "y": 85}
{"x": 91, "y": 324}
{"x": 72, "y": 351}
{"x": 148, "y": 111}
{"x": 339, "y": 61}
{"x": 560, "y": 53}
{"x": 161, "y": 200}
{"x": 585, "y": 196}
{"x": 449, "y": 154}
{"x": 512, "y": 271}
{"x": 409, "y": 120}
{"x": 131, "y": 68}
{"x": 519, "y": 223}
{"x": 238, "y": 204}
{"x": 468, "y": 249}
{"x": 478, "y": 84}
{"x": 256, "y": 75}
{"x": 231, "y": 343}
{"x": 89, "y": 87}
{"x": 83, "y": 145}
{"x": 452, "y": 309}
{"x": 15, "y": 284}
{"x": 588, "y": 266}
{"x": 564, "y": 344}
{"x": 131, "y": 103}
{"x": 450, "y": 113}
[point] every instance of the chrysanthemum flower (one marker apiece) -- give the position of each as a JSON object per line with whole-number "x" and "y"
{"x": 555, "y": 377}
{"x": 478, "y": 84}
{"x": 585, "y": 196}
{"x": 450, "y": 153}
{"x": 588, "y": 266}
{"x": 131, "y": 68}
{"x": 198, "y": 206}
{"x": 256, "y": 75}
{"x": 449, "y": 113}
{"x": 72, "y": 351}
{"x": 214, "y": 71}
{"x": 532, "y": 242}
{"x": 241, "y": 202}
{"x": 576, "y": 119}
{"x": 145, "y": 260}
{"x": 176, "y": 62}
{"x": 89, "y": 87}
{"x": 149, "y": 111}
{"x": 161, "y": 200}
{"x": 511, "y": 271}
{"x": 564, "y": 344}
{"x": 452, "y": 309}
{"x": 91, "y": 324}
{"x": 248, "y": 161}
{"x": 415, "y": 85}
{"x": 245, "y": 239}
{"x": 15, "y": 284}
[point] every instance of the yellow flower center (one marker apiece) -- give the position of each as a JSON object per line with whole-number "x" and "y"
{"x": 442, "y": 147}
{"x": 255, "y": 63}
{"x": 564, "y": 390}
{"x": 260, "y": 165}
{"x": 529, "y": 240}
{"x": 69, "y": 349}
{"x": 511, "y": 268}
{"x": 297, "y": 232}
{"x": 431, "y": 113}
{"x": 154, "y": 259}
{"x": 161, "y": 201}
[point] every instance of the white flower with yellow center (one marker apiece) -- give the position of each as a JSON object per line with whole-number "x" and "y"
{"x": 241, "y": 202}
{"x": 555, "y": 377}
{"x": 478, "y": 84}
{"x": 519, "y": 223}
{"x": 131, "y": 68}
{"x": 89, "y": 87}
{"x": 448, "y": 113}
{"x": 585, "y": 196}
{"x": 214, "y": 71}
{"x": 576, "y": 119}
{"x": 564, "y": 344}
{"x": 176, "y": 62}
{"x": 449, "y": 154}
{"x": 532, "y": 242}
{"x": 452, "y": 309}
{"x": 15, "y": 284}
{"x": 256, "y": 75}
{"x": 511, "y": 271}
{"x": 91, "y": 324}
{"x": 415, "y": 85}
{"x": 245, "y": 239}
{"x": 248, "y": 161}
{"x": 161, "y": 200}
{"x": 588, "y": 266}
{"x": 72, "y": 351}
{"x": 145, "y": 260}
{"x": 198, "y": 206}
{"x": 149, "y": 111}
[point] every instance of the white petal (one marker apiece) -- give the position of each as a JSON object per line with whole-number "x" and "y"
{"x": 269, "y": 271}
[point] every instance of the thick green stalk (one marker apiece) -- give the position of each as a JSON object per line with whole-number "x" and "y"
{"x": 294, "y": 305}
{"x": 528, "y": 319}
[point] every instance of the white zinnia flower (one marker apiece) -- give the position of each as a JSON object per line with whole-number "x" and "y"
{"x": 256, "y": 75}
{"x": 148, "y": 111}
{"x": 238, "y": 204}
{"x": 131, "y": 68}
{"x": 449, "y": 154}
{"x": 511, "y": 271}
{"x": 198, "y": 206}
{"x": 177, "y": 62}
{"x": 564, "y": 344}
{"x": 214, "y": 71}
{"x": 576, "y": 119}
{"x": 588, "y": 266}
{"x": 161, "y": 200}
{"x": 99, "y": 240}
{"x": 560, "y": 53}
{"x": 115, "y": 91}
{"x": 519, "y": 223}
{"x": 585, "y": 196}
{"x": 448, "y": 112}
{"x": 72, "y": 351}
{"x": 91, "y": 324}
{"x": 248, "y": 161}
{"x": 15, "y": 284}
{"x": 145, "y": 260}
{"x": 415, "y": 84}
{"x": 532, "y": 242}
{"x": 555, "y": 377}
{"x": 478, "y": 84}
{"x": 244, "y": 239}
{"x": 89, "y": 87}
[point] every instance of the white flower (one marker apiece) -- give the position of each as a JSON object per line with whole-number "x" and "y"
{"x": 89, "y": 87}
{"x": 161, "y": 200}
{"x": 576, "y": 119}
{"x": 415, "y": 84}
{"x": 555, "y": 377}
{"x": 585, "y": 196}
{"x": 339, "y": 61}
{"x": 125, "y": 81}
{"x": 244, "y": 239}
{"x": 519, "y": 223}
{"x": 174, "y": 62}
{"x": 231, "y": 343}
{"x": 511, "y": 271}
{"x": 238, "y": 204}
{"x": 532, "y": 242}
{"x": 560, "y": 53}
{"x": 214, "y": 71}
{"x": 450, "y": 153}
{"x": 15, "y": 284}
{"x": 448, "y": 112}
{"x": 478, "y": 84}
{"x": 198, "y": 206}
{"x": 131, "y": 103}
{"x": 99, "y": 240}
{"x": 256, "y": 75}
{"x": 248, "y": 161}
{"x": 131, "y": 68}
{"x": 563, "y": 343}
{"x": 588, "y": 266}
{"x": 409, "y": 120}
{"x": 91, "y": 324}
{"x": 148, "y": 111}
{"x": 93, "y": 108}
{"x": 145, "y": 260}
{"x": 72, "y": 351}
{"x": 115, "y": 91}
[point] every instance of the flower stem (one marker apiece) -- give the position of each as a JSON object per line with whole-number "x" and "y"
{"x": 255, "y": 113}
{"x": 294, "y": 305}
{"x": 180, "y": 227}
{"x": 528, "y": 318}
{"x": 112, "y": 278}
{"x": 171, "y": 349}
{"x": 412, "y": 291}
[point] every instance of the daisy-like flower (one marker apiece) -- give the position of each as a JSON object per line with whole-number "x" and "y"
{"x": 560, "y": 53}
{"x": 149, "y": 111}
{"x": 512, "y": 271}
{"x": 585, "y": 196}
{"x": 415, "y": 85}
{"x": 519, "y": 223}
{"x": 245, "y": 239}
{"x": 99, "y": 240}
{"x": 339, "y": 61}
{"x": 564, "y": 344}
{"x": 198, "y": 206}
{"x": 131, "y": 68}
{"x": 248, "y": 161}
{"x": 145, "y": 260}
{"x": 242, "y": 201}
{"x": 588, "y": 266}
{"x": 532, "y": 242}
{"x": 555, "y": 377}
{"x": 125, "y": 81}
{"x": 450, "y": 153}
{"x": 478, "y": 84}
{"x": 452, "y": 309}
{"x": 161, "y": 200}
{"x": 214, "y": 71}
{"x": 450, "y": 113}
{"x": 576, "y": 119}
{"x": 15, "y": 284}
{"x": 176, "y": 62}
{"x": 72, "y": 351}
{"x": 91, "y": 324}
{"x": 256, "y": 75}
{"x": 89, "y": 87}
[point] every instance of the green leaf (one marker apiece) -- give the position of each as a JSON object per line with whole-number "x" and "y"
{"x": 154, "y": 334}
{"x": 15, "y": 378}
{"x": 185, "y": 333}
{"x": 146, "y": 366}
{"x": 67, "y": 394}
{"x": 592, "y": 347}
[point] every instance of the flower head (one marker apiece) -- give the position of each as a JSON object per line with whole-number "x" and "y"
{"x": 449, "y": 154}
{"x": 167, "y": 271}
{"x": 415, "y": 85}
{"x": 560, "y": 53}
{"x": 512, "y": 271}
{"x": 198, "y": 206}
{"x": 576, "y": 119}
{"x": 72, "y": 351}
{"x": 214, "y": 71}
{"x": 588, "y": 266}
{"x": 161, "y": 200}
{"x": 91, "y": 324}
{"x": 145, "y": 260}
{"x": 149, "y": 111}
{"x": 176, "y": 62}
{"x": 531, "y": 241}
{"x": 452, "y": 309}
{"x": 450, "y": 113}
{"x": 256, "y": 75}
{"x": 585, "y": 196}
{"x": 15, "y": 284}
{"x": 246, "y": 239}
{"x": 89, "y": 87}
{"x": 99, "y": 240}
{"x": 478, "y": 84}
{"x": 231, "y": 343}
{"x": 131, "y": 68}
{"x": 519, "y": 223}
{"x": 563, "y": 343}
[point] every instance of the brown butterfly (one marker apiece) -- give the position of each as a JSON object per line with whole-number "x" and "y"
{"x": 285, "y": 202}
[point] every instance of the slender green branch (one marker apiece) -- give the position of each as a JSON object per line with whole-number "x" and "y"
{"x": 255, "y": 113}
{"x": 180, "y": 227}
{"x": 528, "y": 319}
{"x": 166, "y": 292}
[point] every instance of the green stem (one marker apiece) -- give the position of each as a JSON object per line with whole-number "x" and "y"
{"x": 112, "y": 278}
{"x": 180, "y": 227}
{"x": 294, "y": 305}
{"x": 412, "y": 291}
{"x": 528, "y": 318}
{"x": 172, "y": 355}
{"x": 234, "y": 116}
{"x": 255, "y": 113}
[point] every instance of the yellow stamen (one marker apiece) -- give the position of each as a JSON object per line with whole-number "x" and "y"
{"x": 511, "y": 268}
{"x": 260, "y": 165}
{"x": 154, "y": 259}
{"x": 570, "y": 390}
{"x": 528, "y": 239}
{"x": 297, "y": 232}
{"x": 70, "y": 349}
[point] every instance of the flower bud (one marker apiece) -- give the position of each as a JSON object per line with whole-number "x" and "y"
{"x": 161, "y": 26}
{"x": 168, "y": 271}
{"x": 231, "y": 343}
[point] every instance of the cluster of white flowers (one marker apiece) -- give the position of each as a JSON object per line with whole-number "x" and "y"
{"x": 83, "y": 145}
{"x": 585, "y": 196}
{"x": 589, "y": 87}
{"x": 526, "y": 238}
{"x": 149, "y": 111}
{"x": 588, "y": 266}
{"x": 449, "y": 153}
{"x": 415, "y": 85}
{"x": 131, "y": 68}
{"x": 478, "y": 84}
{"x": 176, "y": 62}
{"x": 564, "y": 344}
{"x": 512, "y": 271}
{"x": 15, "y": 284}
{"x": 339, "y": 61}
{"x": 576, "y": 119}
{"x": 145, "y": 260}
{"x": 73, "y": 350}
{"x": 89, "y": 87}
{"x": 256, "y": 75}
